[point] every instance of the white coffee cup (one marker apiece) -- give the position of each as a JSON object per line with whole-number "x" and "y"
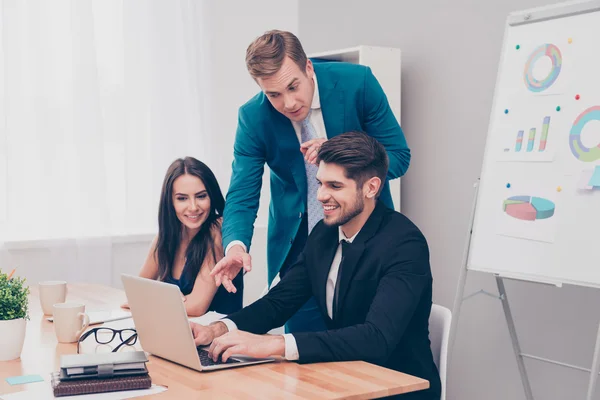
{"x": 52, "y": 292}
{"x": 70, "y": 320}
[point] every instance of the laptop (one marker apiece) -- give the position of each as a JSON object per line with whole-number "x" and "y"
{"x": 163, "y": 327}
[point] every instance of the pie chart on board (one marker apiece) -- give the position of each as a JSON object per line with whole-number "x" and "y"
{"x": 528, "y": 208}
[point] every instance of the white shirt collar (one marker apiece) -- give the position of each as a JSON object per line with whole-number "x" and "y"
{"x": 343, "y": 237}
{"x": 316, "y": 101}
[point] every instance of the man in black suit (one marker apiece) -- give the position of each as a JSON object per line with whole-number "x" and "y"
{"x": 367, "y": 266}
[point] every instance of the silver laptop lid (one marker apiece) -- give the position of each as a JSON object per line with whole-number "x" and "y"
{"x": 161, "y": 320}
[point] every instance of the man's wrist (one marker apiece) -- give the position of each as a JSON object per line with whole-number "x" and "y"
{"x": 238, "y": 248}
{"x": 218, "y": 329}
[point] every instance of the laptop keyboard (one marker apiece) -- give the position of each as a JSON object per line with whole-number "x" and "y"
{"x": 206, "y": 361}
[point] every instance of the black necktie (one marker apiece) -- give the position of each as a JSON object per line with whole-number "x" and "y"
{"x": 336, "y": 292}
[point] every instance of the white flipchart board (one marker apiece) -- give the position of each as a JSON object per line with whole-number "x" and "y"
{"x": 538, "y": 206}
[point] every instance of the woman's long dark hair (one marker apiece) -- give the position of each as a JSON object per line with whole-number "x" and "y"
{"x": 170, "y": 228}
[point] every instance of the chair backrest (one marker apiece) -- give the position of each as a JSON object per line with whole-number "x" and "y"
{"x": 439, "y": 332}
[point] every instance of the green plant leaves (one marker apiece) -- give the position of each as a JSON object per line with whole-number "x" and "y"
{"x": 13, "y": 298}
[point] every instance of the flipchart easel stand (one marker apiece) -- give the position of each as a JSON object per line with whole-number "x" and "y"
{"x": 460, "y": 297}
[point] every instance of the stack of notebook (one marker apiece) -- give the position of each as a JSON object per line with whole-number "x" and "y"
{"x": 104, "y": 372}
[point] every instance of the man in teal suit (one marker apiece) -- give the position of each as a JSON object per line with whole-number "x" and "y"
{"x": 300, "y": 106}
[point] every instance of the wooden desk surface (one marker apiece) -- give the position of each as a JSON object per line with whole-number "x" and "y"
{"x": 342, "y": 380}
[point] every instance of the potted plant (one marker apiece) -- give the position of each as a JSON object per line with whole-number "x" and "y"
{"x": 14, "y": 314}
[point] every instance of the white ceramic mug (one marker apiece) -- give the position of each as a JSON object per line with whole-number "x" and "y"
{"x": 52, "y": 292}
{"x": 70, "y": 320}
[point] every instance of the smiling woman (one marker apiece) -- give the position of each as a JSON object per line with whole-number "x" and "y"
{"x": 188, "y": 244}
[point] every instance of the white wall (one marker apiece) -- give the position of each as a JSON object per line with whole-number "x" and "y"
{"x": 450, "y": 54}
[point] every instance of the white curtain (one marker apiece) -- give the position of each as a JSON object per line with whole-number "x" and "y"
{"x": 97, "y": 98}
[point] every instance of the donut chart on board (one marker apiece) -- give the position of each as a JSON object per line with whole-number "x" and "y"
{"x": 579, "y": 150}
{"x": 545, "y": 50}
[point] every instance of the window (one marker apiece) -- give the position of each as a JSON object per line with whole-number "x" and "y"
{"x": 96, "y": 100}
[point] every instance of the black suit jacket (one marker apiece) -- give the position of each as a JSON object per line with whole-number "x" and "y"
{"x": 384, "y": 299}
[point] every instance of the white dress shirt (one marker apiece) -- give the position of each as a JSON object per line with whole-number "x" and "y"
{"x": 291, "y": 348}
{"x": 316, "y": 119}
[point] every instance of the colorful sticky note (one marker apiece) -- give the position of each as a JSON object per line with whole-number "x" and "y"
{"x": 20, "y": 380}
{"x": 595, "y": 179}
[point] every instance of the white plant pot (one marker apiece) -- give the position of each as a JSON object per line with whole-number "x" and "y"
{"x": 13, "y": 337}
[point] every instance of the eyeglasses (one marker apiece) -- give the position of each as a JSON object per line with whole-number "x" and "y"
{"x": 106, "y": 335}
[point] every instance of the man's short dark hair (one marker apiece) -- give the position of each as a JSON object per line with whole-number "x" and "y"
{"x": 362, "y": 156}
{"x": 266, "y": 54}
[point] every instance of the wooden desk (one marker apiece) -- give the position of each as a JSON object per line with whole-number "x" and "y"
{"x": 348, "y": 380}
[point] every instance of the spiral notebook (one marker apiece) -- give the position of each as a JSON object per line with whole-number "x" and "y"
{"x": 88, "y": 386}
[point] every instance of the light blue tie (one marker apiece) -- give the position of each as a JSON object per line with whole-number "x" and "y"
{"x": 315, "y": 208}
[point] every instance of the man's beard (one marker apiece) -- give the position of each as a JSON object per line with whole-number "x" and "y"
{"x": 345, "y": 217}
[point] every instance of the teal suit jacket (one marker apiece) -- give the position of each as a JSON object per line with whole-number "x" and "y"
{"x": 351, "y": 99}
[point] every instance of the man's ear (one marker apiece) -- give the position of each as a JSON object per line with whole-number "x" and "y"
{"x": 371, "y": 187}
{"x": 309, "y": 70}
